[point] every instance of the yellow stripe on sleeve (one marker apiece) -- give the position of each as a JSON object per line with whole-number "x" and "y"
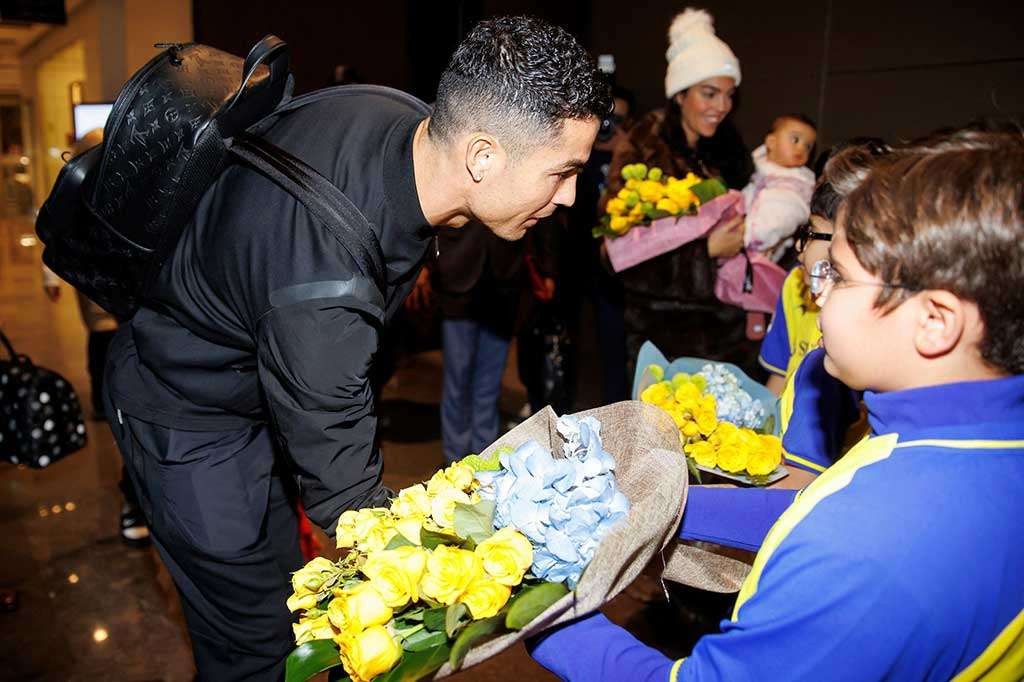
{"x": 673, "y": 676}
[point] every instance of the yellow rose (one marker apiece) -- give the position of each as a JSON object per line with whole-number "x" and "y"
{"x": 449, "y": 572}
{"x": 396, "y": 574}
{"x": 411, "y": 501}
{"x": 442, "y": 507}
{"x": 702, "y": 452}
{"x": 732, "y": 458}
{"x": 311, "y": 577}
{"x": 368, "y": 653}
{"x": 506, "y": 556}
{"x": 308, "y": 629}
{"x": 301, "y": 601}
{"x": 619, "y": 224}
{"x": 460, "y": 475}
{"x": 409, "y": 527}
{"x": 366, "y": 529}
{"x": 357, "y": 608}
{"x": 485, "y": 597}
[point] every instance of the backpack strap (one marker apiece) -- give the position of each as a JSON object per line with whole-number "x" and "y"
{"x": 322, "y": 198}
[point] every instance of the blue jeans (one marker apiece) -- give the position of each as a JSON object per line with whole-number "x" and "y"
{"x": 474, "y": 360}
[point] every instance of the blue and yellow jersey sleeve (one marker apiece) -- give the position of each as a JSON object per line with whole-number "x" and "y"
{"x": 775, "y": 352}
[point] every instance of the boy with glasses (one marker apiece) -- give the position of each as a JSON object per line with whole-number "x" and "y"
{"x": 901, "y": 561}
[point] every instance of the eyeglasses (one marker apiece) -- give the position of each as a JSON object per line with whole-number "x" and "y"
{"x": 804, "y": 234}
{"x": 824, "y": 278}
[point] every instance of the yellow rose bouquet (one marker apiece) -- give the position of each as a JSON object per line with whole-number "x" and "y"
{"x": 445, "y": 566}
{"x": 649, "y": 194}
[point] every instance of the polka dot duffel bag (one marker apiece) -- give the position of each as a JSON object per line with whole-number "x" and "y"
{"x": 40, "y": 416}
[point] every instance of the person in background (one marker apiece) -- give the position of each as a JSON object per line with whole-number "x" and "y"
{"x": 778, "y": 195}
{"x": 670, "y": 299}
{"x": 583, "y": 278}
{"x": 921, "y": 309}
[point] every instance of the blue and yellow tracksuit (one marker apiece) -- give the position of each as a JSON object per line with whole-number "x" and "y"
{"x": 794, "y": 329}
{"x": 903, "y": 560}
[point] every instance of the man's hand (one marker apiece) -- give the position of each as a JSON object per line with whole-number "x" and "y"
{"x": 421, "y": 294}
{"x": 726, "y": 240}
{"x": 52, "y": 292}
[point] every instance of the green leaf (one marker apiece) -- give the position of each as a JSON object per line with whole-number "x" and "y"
{"x": 399, "y": 541}
{"x": 416, "y": 665}
{"x": 706, "y": 190}
{"x": 453, "y": 618}
{"x": 421, "y": 640}
{"x": 473, "y": 633}
{"x": 475, "y": 521}
{"x": 311, "y": 658}
{"x": 433, "y": 619}
{"x": 431, "y": 539}
{"x": 532, "y": 602}
{"x": 692, "y": 466}
{"x": 768, "y": 428}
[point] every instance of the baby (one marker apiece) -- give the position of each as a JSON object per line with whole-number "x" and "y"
{"x": 779, "y": 193}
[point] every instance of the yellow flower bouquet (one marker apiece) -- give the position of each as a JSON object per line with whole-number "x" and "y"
{"x": 479, "y": 550}
{"x": 726, "y": 422}
{"x": 649, "y": 194}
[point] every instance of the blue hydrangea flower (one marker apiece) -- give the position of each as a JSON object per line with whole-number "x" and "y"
{"x": 565, "y": 505}
{"x": 734, "y": 404}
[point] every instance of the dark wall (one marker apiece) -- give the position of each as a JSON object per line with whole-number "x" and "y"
{"x": 879, "y": 67}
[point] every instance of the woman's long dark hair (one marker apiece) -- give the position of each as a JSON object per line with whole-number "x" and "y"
{"x": 723, "y": 154}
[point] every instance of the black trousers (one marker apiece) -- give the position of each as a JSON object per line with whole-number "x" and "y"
{"x": 225, "y": 528}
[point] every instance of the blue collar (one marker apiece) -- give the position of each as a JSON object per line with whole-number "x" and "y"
{"x": 969, "y": 407}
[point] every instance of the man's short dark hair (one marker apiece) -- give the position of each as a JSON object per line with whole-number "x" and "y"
{"x": 518, "y": 78}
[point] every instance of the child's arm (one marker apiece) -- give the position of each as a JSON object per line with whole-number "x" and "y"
{"x": 734, "y": 517}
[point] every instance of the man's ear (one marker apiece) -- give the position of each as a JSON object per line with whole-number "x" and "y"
{"x": 483, "y": 156}
{"x": 941, "y": 320}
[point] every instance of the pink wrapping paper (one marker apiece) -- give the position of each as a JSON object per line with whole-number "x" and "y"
{"x": 643, "y": 243}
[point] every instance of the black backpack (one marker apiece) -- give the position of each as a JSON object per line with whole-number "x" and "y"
{"x": 117, "y": 210}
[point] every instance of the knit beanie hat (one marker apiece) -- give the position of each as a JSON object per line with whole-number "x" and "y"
{"x": 695, "y": 53}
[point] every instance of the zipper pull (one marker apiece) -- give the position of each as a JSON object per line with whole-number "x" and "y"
{"x": 119, "y": 419}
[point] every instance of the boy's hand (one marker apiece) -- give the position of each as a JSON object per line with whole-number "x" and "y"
{"x": 726, "y": 240}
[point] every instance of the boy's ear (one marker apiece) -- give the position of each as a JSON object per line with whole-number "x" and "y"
{"x": 941, "y": 321}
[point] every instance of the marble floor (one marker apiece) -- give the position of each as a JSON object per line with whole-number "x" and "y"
{"x": 91, "y": 608}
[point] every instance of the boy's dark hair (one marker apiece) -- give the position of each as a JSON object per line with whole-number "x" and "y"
{"x": 800, "y": 118}
{"x": 949, "y": 214}
{"x": 517, "y": 78}
{"x": 848, "y": 164}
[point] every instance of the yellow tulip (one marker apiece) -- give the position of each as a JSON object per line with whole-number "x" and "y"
{"x": 449, "y": 572}
{"x": 357, "y": 608}
{"x": 308, "y": 629}
{"x": 484, "y": 597}
{"x": 396, "y": 574}
{"x": 506, "y": 556}
{"x": 707, "y": 422}
{"x": 690, "y": 429}
{"x": 368, "y": 653}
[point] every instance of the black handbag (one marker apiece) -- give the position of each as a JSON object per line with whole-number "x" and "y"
{"x": 40, "y": 416}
